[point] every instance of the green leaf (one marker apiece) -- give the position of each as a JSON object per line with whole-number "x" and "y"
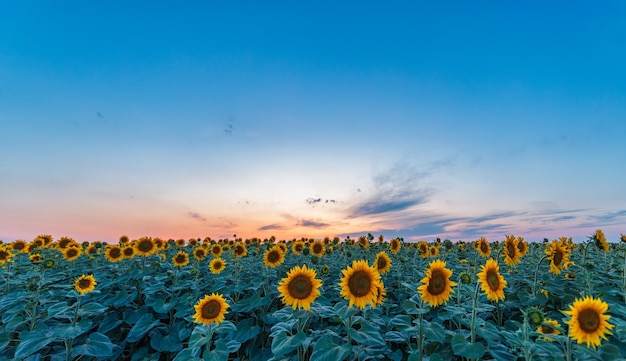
{"x": 92, "y": 308}
{"x": 283, "y": 344}
{"x": 60, "y": 309}
{"x": 462, "y": 348}
{"x": 31, "y": 342}
{"x": 159, "y": 305}
{"x": 499, "y": 352}
{"x": 326, "y": 349}
{"x": 186, "y": 355}
{"x": 68, "y": 331}
{"x": 367, "y": 335}
{"x": 219, "y": 353}
{"x": 225, "y": 327}
{"x": 110, "y": 322}
{"x": 165, "y": 343}
{"x": 143, "y": 325}
{"x": 96, "y": 345}
{"x": 245, "y": 331}
{"x": 435, "y": 332}
{"x": 412, "y": 309}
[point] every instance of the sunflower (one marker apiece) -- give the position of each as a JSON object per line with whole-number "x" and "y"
{"x": 199, "y": 253}
{"x": 422, "y": 248}
{"x": 382, "y": 263}
{"x": 65, "y": 242}
{"x": 483, "y": 247}
{"x": 71, "y": 253}
{"x": 491, "y": 281}
{"x": 273, "y": 257}
{"x": 128, "y": 252}
{"x": 433, "y": 251}
{"x": 511, "y": 253}
{"x": 359, "y": 284}
{"x": 180, "y": 242}
{"x": 587, "y": 322}
{"x": 35, "y": 258}
{"x": 547, "y": 328}
{"x": 217, "y": 265}
{"x": 600, "y": 241}
{"x": 364, "y": 242}
{"x": 436, "y": 285}
{"x": 19, "y": 245}
{"x": 180, "y": 259}
{"x": 283, "y": 247}
{"x": 85, "y": 284}
{"x": 47, "y": 239}
{"x": 381, "y": 292}
{"x": 5, "y": 254}
{"x": 297, "y": 247}
{"x": 622, "y": 237}
{"x": 92, "y": 250}
{"x": 558, "y": 256}
{"x": 124, "y": 239}
{"x": 300, "y": 288}
{"x": 145, "y": 247}
{"x": 38, "y": 242}
{"x": 522, "y": 246}
{"x": 240, "y": 250}
{"x": 318, "y": 248}
{"x": 216, "y": 250}
{"x": 159, "y": 243}
{"x": 210, "y": 309}
{"x": 395, "y": 245}
{"x": 113, "y": 253}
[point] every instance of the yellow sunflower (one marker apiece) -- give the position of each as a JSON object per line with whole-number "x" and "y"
{"x": 71, "y": 253}
{"x": 159, "y": 243}
{"x": 192, "y": 242}
{"x": 240, "y": 250}
{"x": 180, "y": 259}
{"x": 588, "y": 322}
{"x": 622, "y": 237}
{"x": 145, "y": 247}
{"x": 47, "y": 239}
{"x": 199, "y": 253}
{"x": 216, "y": 250}
{"x": 433, "y": 251}
{"x": 483, "y": 247}
{"x": 65, "y": 242}
{"x": 547, "y": 328}
{"x": 318, "y": 248}
{"x": 364, "y": 242}
{"x": 381, "y": 292}
{"x": 5, "y": 254}
{"x": 91, "y": 250}
{"x": 300, "y": 288}
{"x": 85, "y": 284}
{"x": 558, "y": 256}
{"x": 422, "y": 248}
{"x": 395, "y": 245}
{"x": 181, "y": 242}
{"x": 217, "y": 265}
{"x": 210, "y": 309}
{"x": 35, "y": 258}
{"x": 359, "y": 284}
{"x": 282, "y": 246}
{"x": 19, "y": 245}
{"x": 297, "y": 247}
{"x": 522, "y": 246}
{"x": 382, "y": 263}
{"x": 113, "y": 253}
{"x": 491, "y": 281}
{"x": 436, "y": 285}
{"x": 511, "y": 253}
{"x": 128, "y": 252}
{"x": 600, "y": 241}
{"x": 273, "y": 257}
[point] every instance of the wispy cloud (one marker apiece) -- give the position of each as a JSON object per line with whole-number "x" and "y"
{"x": 270, "y": 227}
{"x": 196, "y": 216}
{"x": 312, "y": 224}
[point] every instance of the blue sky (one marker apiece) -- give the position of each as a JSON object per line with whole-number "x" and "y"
{"x": 418, "y": 120}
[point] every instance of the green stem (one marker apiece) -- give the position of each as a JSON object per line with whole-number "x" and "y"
{"x": 473, "y": 321}
{"x": 536, "y": 273}
{"x": 420, "y": 339}
{"x": 68, "y": 342}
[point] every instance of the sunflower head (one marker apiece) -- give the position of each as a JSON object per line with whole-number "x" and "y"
{"x": 35, "y": 258}
{"x": 422, "y": 248}
{"x": 180, "y": 259}
{"x": 297, "y": 247}
{"x": 210, "y": 309}
{"x": 359, "y": 284}
{"x": 436, "y": 285}
{"x": 382, "y": 262}
{"x": 433, "y": 251}
{"x": 145, "y": 246}
{"x": 547, "y": 328}
{"x": 558, "y": 255}
{"x": 199, "y": 253}
{"x": 273, "y": 257}
{"x": 510, "y": 250}
{"x": 522, "y": 246}
{"x": 325, "y": 269}
{"x": 588, "y": 322}
{"x": 465, "y": 278}
{"x": 5, "y": 255}
{"x": 128, "y": 252}
{"x": 216, "y": 250}
{"x": 491, "y": 281}
{"x": 85, "y": 284}
{"x": 600, "y": 240}
{"x": 71, "y": 253}
{"x": 300, "y": 288}
{"x": 240, "y": 250}
{"x": 395, "y": 245}
{"x": 318, "y": 248}
{"x": 535, "y": 316}
{"x": 483, "y": 247}
{"x": 113, "y": 253}
{"x": 217, "y": 265}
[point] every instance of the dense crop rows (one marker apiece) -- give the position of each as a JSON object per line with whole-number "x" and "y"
{"x": 254, "y": 299}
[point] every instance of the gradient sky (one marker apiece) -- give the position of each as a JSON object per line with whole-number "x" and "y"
{"x": 418, "y": 120}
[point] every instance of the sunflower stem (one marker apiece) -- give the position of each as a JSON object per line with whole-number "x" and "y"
{"x": 420, "y": 336}
{"x": 68, "y": 342}
{"x": 536, "y": 273}
{"x": 473, "y": 321}
{"x": 624, "y": 277}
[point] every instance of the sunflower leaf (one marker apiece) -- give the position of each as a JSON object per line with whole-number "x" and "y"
{"x": 461, "y": 347}
{"x": 326, "y": 349}
{"x": 143, "y": 325}
{"x": 97, "y": 345}
{"x": 283, "y": 344}
{"x": 30, "y": 343}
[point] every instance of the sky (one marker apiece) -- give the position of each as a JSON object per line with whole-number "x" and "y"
{"x": 418, "y": 120}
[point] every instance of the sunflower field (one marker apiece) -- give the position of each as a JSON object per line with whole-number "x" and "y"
{"x": 312, "y": 299}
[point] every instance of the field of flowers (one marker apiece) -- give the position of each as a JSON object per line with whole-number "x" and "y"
{"x": 331, "y": 299}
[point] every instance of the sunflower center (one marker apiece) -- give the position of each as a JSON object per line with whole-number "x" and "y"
{"x": 382, "y": 263}
{"x": 211, "y": 309}
{"x": 273, "y": 257}
{"x": 484, "y": 247}
{"x": 239, "y": 250}
{"x": 360, "y": 283}
{"x": 217, "y": 265}
{"x": 511, "y": 249}
{"x": 588, "y": 320}
{"x": 493, "y": 280}
{"x": 72, "y": 252}
{"x": 180, "y": 258}
{"x": 437, "y": 283}
{"x": 115, "y": 253}
{"x": 128, "y": 251}
{"x": 299, "y": 248}
{"x": 317, "y": 248}
{"x": 145, "y": 246}
{"x": 547, "y": 329}
{"x": 300, "y": 287}
{"x": 558, "y": 257}
{"x": 84, "y": 283}
{"x": 4, "y": 255}
{"x": 216, "y": 250}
